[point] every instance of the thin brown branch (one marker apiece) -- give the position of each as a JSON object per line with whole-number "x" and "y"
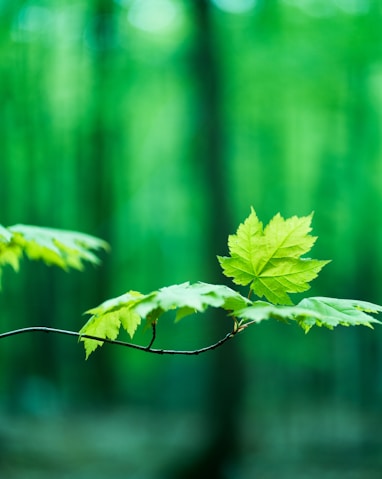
{"x": 147, "y": 349}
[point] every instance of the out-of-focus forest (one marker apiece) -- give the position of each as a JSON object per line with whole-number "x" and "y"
{"x": 155, "y": 125}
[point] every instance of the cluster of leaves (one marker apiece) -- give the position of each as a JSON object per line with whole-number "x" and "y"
{"x": 269, "y": 260}
{"x": 66, "y": 249}
{"x": 129, "y": 309}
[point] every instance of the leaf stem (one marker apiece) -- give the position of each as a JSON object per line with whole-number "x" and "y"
{"x": 154, "y": 330}
{"x": 147, "y": 349}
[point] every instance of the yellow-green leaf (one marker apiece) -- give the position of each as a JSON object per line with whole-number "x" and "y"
{"x": 316, "y": 311}
{"x": 106, "y": 326}
{"x": 128, "y": 309}
{"x": 66, "y": 249}
{"x": 108, "y": 317}
{"x": 269, "y": 259}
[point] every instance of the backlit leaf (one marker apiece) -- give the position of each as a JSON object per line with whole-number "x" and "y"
{"x": 129, "y": 309}
{"x": 316, "y": 311}
{"x": 106, "y": 326}
{"x": 262, "y": 310}
{"x": 331, "y": 312}
{"x": 269, "y": 259}
{"x": 66, "y": 249}
{"x": 108, "y": 317}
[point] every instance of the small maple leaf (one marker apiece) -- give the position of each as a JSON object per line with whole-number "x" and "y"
{"x": 108, "y": 317}
{"x": 269, "y": 259}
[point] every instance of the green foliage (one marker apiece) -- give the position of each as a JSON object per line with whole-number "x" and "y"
{"x": 128, "y": 310}
{"x": 66, "y": 249}
{"x": 328, "y": 312}
{"x": 269, "y": 260}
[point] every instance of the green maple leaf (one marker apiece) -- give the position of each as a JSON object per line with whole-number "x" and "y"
{"x": 129, "y": 309}
{"x": 331, "y": 312}
{"x": 317, "y": 311}
{"x": 189, "y": 298}
{"x": 108, "y": 317}
{"x": 261, "y": 310}
{"x": 106, "y": 326}
{"x": 66, "y": 249}
{"x": 269, "y": 259}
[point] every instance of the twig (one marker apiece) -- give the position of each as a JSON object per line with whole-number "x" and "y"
{"x": 147, "y": 349}
{"x": 154, "y": 329}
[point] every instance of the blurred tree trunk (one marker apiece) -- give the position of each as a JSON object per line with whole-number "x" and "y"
{"x": 41, "y": 309}
{"x": 272, "y": 161}
{"x": 226, "y": 381}
{"x": 97, "y": 163}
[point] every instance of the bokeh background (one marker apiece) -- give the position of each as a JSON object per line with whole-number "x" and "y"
{"x": 156, "y": 124}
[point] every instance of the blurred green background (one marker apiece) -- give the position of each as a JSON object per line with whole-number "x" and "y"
{"x": 156, "y": 124}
